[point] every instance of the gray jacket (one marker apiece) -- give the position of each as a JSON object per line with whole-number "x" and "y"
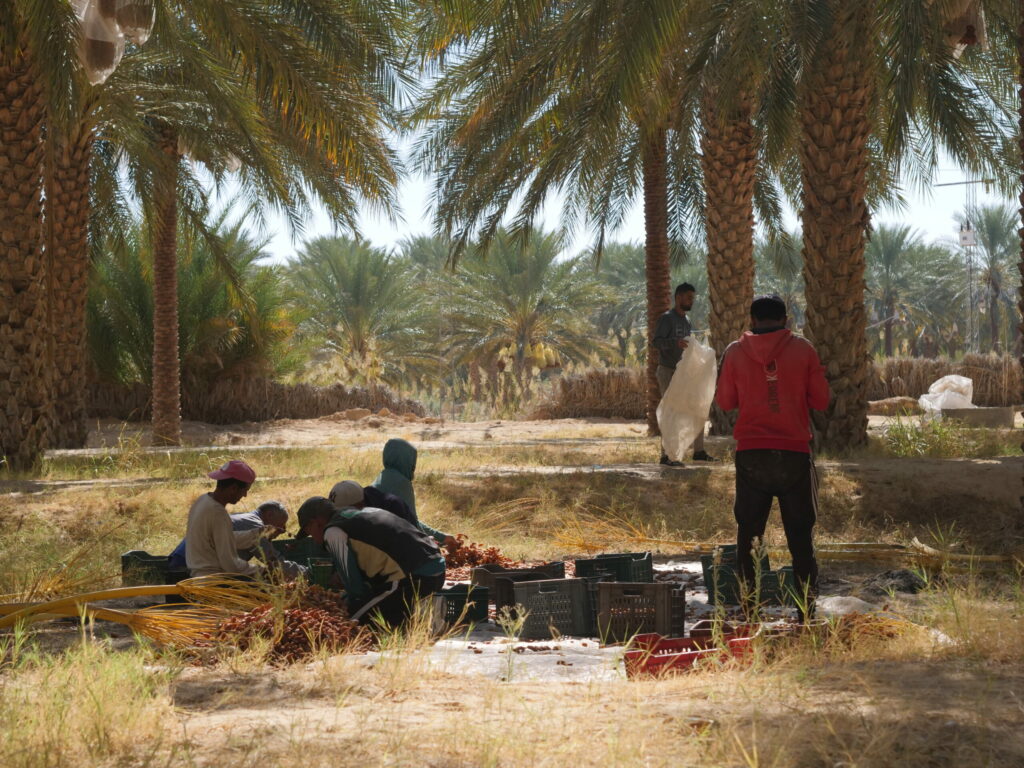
{"x": 670, "y": 328}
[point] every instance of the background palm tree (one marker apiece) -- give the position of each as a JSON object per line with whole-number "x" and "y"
{"x": 365, "y": 311}
{"x": 520, "y": 307}
{"x": 996, "y": 230}
{"x": 231, "y": 327}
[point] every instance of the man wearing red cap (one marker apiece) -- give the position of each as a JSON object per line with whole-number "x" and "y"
{"x": 209, "y": 538}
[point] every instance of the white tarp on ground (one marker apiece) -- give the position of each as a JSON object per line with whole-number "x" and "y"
{"x": 949, "y": 392}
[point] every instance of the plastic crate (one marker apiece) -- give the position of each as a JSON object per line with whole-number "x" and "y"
{"x": 140, "y": 568}
{"x": 726, "y": 556}
{"x": 625, "y": 609}
{"x": 300, "y": 550}
{"x": 654, "y": 654}
{"x": 484, "y": 575}
{"x": 320, "y": 571}
{"x": 632, "y": 567}
{"x": 563, "y": 605}
{"x": 503, "y": 593}
{"x": 464, "y": 604}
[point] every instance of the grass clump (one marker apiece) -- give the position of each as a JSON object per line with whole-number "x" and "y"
{"x": 944, "y": 439}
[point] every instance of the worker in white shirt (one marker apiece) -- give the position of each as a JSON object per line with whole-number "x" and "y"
{"x": 210, "y": 544}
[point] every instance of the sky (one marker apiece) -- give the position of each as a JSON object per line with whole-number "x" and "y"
{"x": 932, "y": 213}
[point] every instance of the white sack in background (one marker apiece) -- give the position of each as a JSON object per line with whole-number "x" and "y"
{"x": 683, "y": 410}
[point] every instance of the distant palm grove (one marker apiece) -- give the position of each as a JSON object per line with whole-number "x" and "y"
{"x": 125, "y": 124}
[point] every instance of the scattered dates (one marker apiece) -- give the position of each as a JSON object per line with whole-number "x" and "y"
{"x": 308, "y": 619}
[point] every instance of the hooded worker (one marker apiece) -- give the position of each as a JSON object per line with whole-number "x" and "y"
{"x": 396, "y": 478}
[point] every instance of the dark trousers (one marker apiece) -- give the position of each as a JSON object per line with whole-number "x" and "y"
{"x": 762, "y": 476}
{"x": 396, "y": 602}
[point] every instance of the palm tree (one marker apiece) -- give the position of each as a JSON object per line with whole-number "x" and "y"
{"x": 996, "y": 230}
{"x": 283, "y": 93}
{"x": 36, "y": 51}
{"x": 232, "y": 326}
{"x": 891, "y": 273}
{"x": 868, "y": 90}
{"x": 621, "y": 269}
{"x": 366, "y": 310}
{"x": 576, "y": 97}
{"x": 519, "y": 307}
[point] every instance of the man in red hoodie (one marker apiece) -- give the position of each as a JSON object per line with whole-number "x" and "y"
{"x": 775, "y": 379}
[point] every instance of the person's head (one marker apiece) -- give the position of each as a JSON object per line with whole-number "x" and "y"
{"x": 684, "y": 296}
{"x": 314, "y": 515}
{"x": 234, "y": 480}
{"x": 274, "y": 514}
{"x": 768, "y": 312}
{"x": 347, "y": 494}
{"x": 400, "y": 456}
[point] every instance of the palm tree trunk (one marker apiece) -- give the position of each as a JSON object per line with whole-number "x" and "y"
{"x": 67, "y": 217}
{"x": 835, "y": 127}
{"x": 1020, "y": 133}
{"x": 729, "y": 162}
{"x": 890, "y": 310}
{"x": 25, "y": 373}
{"x": 993, "y": 315}
{"x": 656, "y": 263}
{"x": 166, "y": 365}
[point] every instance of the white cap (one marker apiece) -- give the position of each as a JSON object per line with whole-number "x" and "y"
{"x": 346, "y": 494}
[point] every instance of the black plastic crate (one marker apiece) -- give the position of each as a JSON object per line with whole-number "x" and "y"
{"x": 140, "y": 568}
{"x": 562, "y": 606}
{"x": 632, "y": 567}
{"x": 625, "y": 609}
{"x": 299, "y": 550}
{"x": 464, "y": 604}
{"x": 503, "y": 593}
{"x": 484, "y": 575}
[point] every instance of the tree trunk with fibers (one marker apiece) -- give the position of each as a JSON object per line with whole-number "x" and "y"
{"x": 890, "y": 311}
{"x": 834, "y": 157}
{"x": 67, "y": 218}
{"x": 1020, "y": 264}
{"x": 25, "y": 375}
{"x": 656, "y": 262}
{"x": 166, "y": 364}
{"x": 729, "y": 163}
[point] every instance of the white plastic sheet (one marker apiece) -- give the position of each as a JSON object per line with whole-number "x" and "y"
{"x": 948, "y": 392}
{"x": 683, "y": 411}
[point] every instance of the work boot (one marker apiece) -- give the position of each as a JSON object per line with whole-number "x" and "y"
{"x": 669, "y": 462}
{"x": 703, "y": 456}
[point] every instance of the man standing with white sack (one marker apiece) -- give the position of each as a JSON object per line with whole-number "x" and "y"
{"x": 775, "y": 379}
{"x": 671, "y": 337}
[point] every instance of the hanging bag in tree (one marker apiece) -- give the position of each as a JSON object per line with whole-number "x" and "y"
{"x": 136, "y": 18}
{"x": 683, "y": 410}
{"x": 102, "y": 45}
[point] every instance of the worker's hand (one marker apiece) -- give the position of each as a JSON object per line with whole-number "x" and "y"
{"x": 683, "y": 343}
{"x": 451, "y": 543}
{"x": 272, "y": 531}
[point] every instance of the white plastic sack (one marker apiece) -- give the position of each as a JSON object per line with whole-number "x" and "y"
{"x": 948, "y": 392}
{"x": 683, "y": 410}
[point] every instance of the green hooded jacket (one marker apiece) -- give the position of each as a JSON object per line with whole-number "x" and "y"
{"x": 396, "y": 478}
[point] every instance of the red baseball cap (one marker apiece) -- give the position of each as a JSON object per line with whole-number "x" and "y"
{"x": 234, "y": 470}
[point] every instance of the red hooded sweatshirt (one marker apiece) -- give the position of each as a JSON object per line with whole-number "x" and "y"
{"x": 774, "y": 379}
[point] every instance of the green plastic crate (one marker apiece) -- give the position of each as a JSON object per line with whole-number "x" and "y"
{"x": 563, "y": 605}
{"x": 320, "y": 571}
{"x": 299, "y": 550}
{"x": 632, "y": 567}
{"x": 464, "y": 604}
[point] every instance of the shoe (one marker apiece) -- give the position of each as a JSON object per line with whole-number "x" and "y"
{"x": 703, "y": 456}
{"x": 666, "y": 461}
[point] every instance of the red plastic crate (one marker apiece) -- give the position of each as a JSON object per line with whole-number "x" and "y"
{"x": 656, "y": 655}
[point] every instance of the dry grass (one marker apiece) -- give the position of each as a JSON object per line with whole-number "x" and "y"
{"x": 237, "y": 401}
{"x": 913, "y": 700}
{"x": 619, "y": 392}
